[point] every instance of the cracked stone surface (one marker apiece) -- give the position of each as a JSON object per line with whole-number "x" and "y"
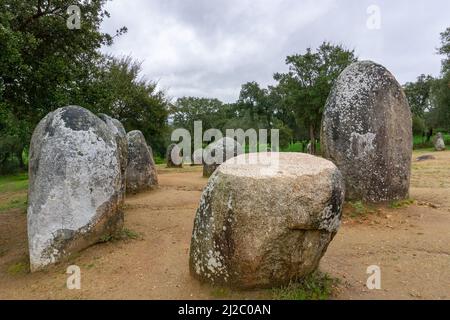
{"x": 259, "y": 227}
{"x": 75, "y": 185}
{"x": 367, "y": 132}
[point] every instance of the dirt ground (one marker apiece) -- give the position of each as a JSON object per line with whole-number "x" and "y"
{"x": 410, "y": 244}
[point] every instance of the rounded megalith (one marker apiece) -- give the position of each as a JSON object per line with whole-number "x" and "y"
{"x": 74, "y": 185}
{"x": 120, "y": 134}
{"x": 174, "y": 157}
{"x": 367, "y": 132}
{"x": 258, "y": 228}
{"x": 141, "y": 170}
{"x": 439, "y": 144}
{"x": 218, "y": 152}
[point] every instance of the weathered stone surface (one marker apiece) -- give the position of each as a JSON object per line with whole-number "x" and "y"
{"x": 218, "y": 152}
{"x": 120, "y": 134}
{"x": 367, "y": 133}
{"x": 197, "y": 157}
{"x": 141, "y": 170}
{"x": 261, "y": 228}
{"x": 174, "y": 158}
{"x": 75, "y": 185}
{"x": 439, "y": 144}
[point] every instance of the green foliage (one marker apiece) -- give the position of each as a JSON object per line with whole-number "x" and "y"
{"x": 306, "y": 86}
{"x": 119, "y": 91}
{"x": 419, "y": 95}
{"x": 359, "y": 209}
{"x": 419, "y": 126}
{"x": 317, "y": 286}
{"x": 43, "y": 65}
{"x": 294, "y": 147}
{"x": 159, "y": 160}
{"x": 212, "y": 112}
{"x": 428, "y": 97}
{"x": 420, "y": 142}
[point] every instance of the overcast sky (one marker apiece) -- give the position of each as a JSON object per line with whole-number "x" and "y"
{"x": 210, "y": 48}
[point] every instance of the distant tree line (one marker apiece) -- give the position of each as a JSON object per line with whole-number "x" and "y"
{"x": 294, "y": 105}
{"x": 44, "y": 65}
{"x": 429, "y": 97}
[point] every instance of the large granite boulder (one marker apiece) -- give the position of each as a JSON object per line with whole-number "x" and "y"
{"x": 367, "y": 132}
{"x": 439, "y": 144}
{"x": 218, "y": 152}
{"x": 120, "y": 134}
{"x": 261, "y": 228}
{"x": 141, "y": 170}
{"x": 174, "y": 156}
{"x": 74, "y": 185}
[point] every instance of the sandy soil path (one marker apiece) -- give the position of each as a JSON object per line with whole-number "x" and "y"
{"x": 411, "y": 245}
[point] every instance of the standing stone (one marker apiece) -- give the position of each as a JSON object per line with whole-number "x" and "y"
{"x": 197, "y": 157}
{"x": 75, "y": 185}
{"x": 261, "y": 228}
{"x": 439, "y": 144}
{"x": 218, "y": 152}
{"x": 141, "y": 170}
{"x": 367, "y": 132}
{"x": 174, "y": 158}
{"x": 120, "y": 134}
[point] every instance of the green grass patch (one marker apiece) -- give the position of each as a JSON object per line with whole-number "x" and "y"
{"x": 398, "y": 204}
{"x": 293, "y": 147}
{"x": 220, "y": 293}
{"x": 124, "y": 234}
{"x": 359, "y": 208}
{"x": 14, "y": 183}
{"x": 316, "y": 286}
{"x": 420, "y": 143}
{"x": 159, "y": 159}
{"x": 18, "y": 202}
{"x": 18, "y": 268}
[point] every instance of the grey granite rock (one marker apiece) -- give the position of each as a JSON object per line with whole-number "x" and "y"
{"x": 74, "y": 185}
{"x": 367, "y": 132}
{"x": 258, "y": 228}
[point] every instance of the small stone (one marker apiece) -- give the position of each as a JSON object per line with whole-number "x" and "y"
{"x": 439, "y": 144}
{"x": 425, "y": 157}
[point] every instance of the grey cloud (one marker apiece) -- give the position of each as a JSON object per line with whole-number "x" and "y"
{"x": 209, "y": 48}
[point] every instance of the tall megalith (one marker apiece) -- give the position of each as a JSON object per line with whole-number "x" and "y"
{"x": 367, "y": 132}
